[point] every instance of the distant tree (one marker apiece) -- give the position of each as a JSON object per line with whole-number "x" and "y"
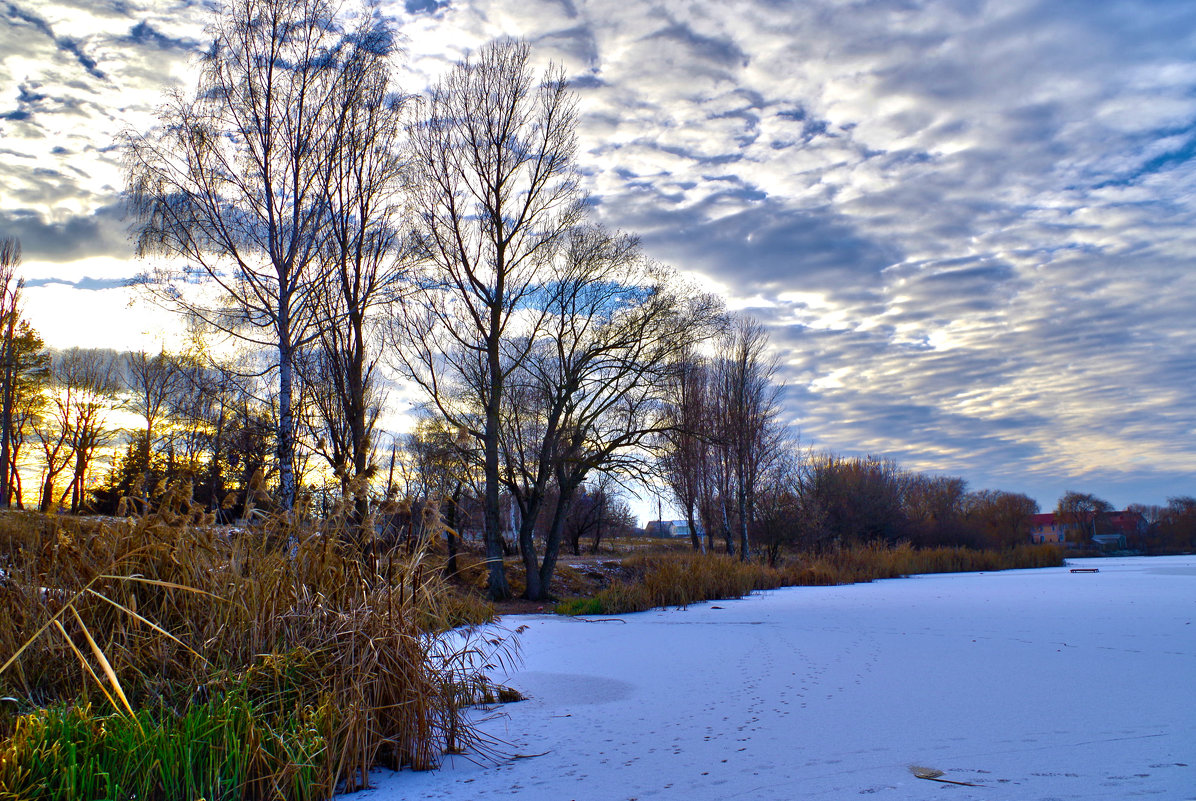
{"x": 93, "y": 377}
{"x": 443, "y": 474}
{"x": 1176, "y": 528}
{"x": 686, "y": 439}
{"x": 1151, "y": 513}
{"x": 779, "y": 519}
{"x": 934, "y": 507}
{"x": 29, "y": 377}
{"x": 1000, "y": 519}
{"x": 10, "y": 311}
{"x": 597, "y": 512}
{"x": 1082, "y": 515}
{"x": 496, "y": 190}
{"x": 83, "y": 391}
{"x": 151, "y": 382}
{"x": 749, "y": 397}
{"x": 855, "y": 499}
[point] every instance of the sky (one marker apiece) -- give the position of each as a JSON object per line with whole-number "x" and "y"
{"x": 969, "y": 226}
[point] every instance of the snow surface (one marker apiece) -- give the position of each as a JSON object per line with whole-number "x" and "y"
{"x": 1034, "y": 684}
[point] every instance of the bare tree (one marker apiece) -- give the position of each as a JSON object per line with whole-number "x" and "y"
{"x": 84, "y": 388}
{"x": 685, "y": 443}
{"x": 495, "y": 191}
{"x": 443, "y": 472}
{"x": 151, "y": 382}
{"x": 601, "y": 371}
{"x": 234, "y": 184}
{"x": 778, "y": 519}
{"x": 747, "y": 401}
{"x": 10, "y": 299}
{"x": 365, "y": 254}
{"x": 853, "y": 500}
{"x": 202, "y": 411}
{"x": 1001, "y": 519}
{"x": 1082, "y": 515}
{"x": 934, "y": 509}
{"x": 93, "y": 376}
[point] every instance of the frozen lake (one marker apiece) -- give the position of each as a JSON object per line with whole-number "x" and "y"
{"x": 1032, "y": 684}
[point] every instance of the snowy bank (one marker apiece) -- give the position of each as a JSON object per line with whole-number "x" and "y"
{"x": 1033, "y": 684}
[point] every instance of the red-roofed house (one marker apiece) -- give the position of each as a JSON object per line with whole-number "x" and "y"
{"x": 1044, "y": 528}
{"x": 1111, "y": 530}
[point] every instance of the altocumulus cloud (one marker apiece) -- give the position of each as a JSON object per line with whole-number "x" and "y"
{"x": 968, "y": 224}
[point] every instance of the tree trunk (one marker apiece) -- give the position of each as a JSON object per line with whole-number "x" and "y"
{"x": 450, "y": 526}
{"x": 728, "y": 536}
{"x": 552, "y": 547}
{"x": 77, "y": 483}
{"x": 8, "y": 361}
{"x": 527, "y": 546}
{"x": 598, "y": 528}
{"x": 360, "y": 436}
{"x": 497, "y": 586}
{"x": 47, "y": 494}
{"x": 286, "y": 428}
{"x": 693, "y": 529}
{"x": 743, "y": 525}
{"x": 575, "y": 542}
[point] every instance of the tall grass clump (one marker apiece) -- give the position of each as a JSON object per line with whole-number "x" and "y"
{"x": 276, "y": 659}
{"x": 675, "y": 580}
{"x": 680, "y": 579}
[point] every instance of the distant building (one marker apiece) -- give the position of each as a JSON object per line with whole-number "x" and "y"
{"x": 1110, "y": 531}
{"x": 667, "y": 528}
{"x": 1044, "y": 528}
{"x": 1128, "y": 524}
{"x": 1110, "y": 542}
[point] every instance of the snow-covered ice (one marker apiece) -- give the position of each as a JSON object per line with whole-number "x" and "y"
{"x": 1033, "y": 684}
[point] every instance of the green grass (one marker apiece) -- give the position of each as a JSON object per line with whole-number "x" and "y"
{"x": 222, "y": 749}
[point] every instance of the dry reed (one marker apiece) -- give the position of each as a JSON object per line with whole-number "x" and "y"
{"x": 677, "y": 579}
{"x": 170, "y": 613}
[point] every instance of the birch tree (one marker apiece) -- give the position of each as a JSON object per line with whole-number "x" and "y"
{"x": 232, "y": 187}
{"x": 365, "y": 254}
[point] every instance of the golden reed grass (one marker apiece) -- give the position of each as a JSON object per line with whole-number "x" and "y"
{"x": 677, "y": 579}
{"x": 166, "y": 610}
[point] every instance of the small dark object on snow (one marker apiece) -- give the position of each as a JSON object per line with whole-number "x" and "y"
{"x": 1085, "y": 570}
{"x": 933, "y": 774}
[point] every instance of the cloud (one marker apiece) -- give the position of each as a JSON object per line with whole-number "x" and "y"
{"x": 20, "y": 17}
{"x": 85, "y": 283}
{"x": 758, "y": 246}
{"x": 424, "y": 6}
{"x": 145, "y": 34}
{"x": 968, "y": 225}
{"x": 101, "y": 233}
